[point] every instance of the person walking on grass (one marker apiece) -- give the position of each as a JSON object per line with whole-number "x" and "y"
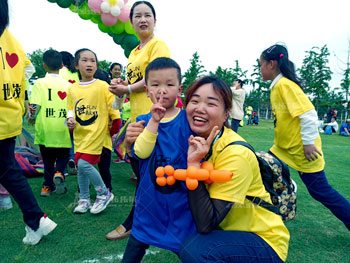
{"x": 89, "y": 106}
{"x": 238, "y": 97}
{"x": 48, "y": 102}
{"x": 12, "y": 79}
{"x": 297, "y": 141}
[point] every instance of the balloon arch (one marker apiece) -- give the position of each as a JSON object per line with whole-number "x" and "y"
{"x": 111, "y": 17}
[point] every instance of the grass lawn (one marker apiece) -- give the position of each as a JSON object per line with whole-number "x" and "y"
{"x": 316, "y": 235}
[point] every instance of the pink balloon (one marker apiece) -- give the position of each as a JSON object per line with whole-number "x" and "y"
{"x": 108, "y": 19}
{"x": 124, "y": 14}
{"x": 95, "y": 5}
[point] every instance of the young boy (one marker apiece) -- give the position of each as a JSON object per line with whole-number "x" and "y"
{"x": 48, "y": 104}
{"x": 162, "y": 217}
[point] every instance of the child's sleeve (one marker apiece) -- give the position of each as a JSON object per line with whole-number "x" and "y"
{"x": 35, "y": 95}
{"x": 144, "y": 144}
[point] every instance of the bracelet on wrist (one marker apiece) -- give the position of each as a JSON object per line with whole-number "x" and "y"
{"x": 129, "y": 89}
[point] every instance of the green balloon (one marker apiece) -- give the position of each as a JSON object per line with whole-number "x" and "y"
{"x": 118, "y": 28}
{"x": 64, "y": 3}
{"x": 78, "y": 2}
{"x": 118, "y": 39}
{"x": 103, "y": 27}
{"x": 130, "y": 42}
{"x": 96, "y": 18}
{"x": 84, "y": 12}
{"x": 129, "y": 29}
{"x": 127, "y": 52}
{"x": 52, "y": 1}
{"x": 73, "y": 8}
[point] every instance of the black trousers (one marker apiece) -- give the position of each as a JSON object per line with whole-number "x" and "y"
{"x": 104, "y": 167}
{"x": 135, "y": 167}
{"x": 52, "y": 156}
{"x": 16, "y": 184}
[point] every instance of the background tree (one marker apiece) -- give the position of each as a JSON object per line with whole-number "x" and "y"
{"x": 315, "y": 74}
{"x": 259, "y": 97}
{"x": 229, "y": 75}
{"x": 104, "y": 65}
{"x": 36, "y": 57}
{"x": 195, "y": 71}
{"x": 345, "y": 84}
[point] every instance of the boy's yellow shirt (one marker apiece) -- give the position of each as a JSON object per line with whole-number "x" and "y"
{"x": 12, "y": 80}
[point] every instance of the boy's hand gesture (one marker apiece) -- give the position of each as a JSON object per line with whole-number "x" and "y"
{"x": 198, "y": 147}
{"x": 157, "y": 110}
{"x": 311, "y": 152}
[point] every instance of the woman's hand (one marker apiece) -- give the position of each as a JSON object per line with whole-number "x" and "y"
{"x": 132, "y": 132}
{"x": 118, "y": 88}
{"x": 199, "y": 147}
{"x": 310, "y": 152}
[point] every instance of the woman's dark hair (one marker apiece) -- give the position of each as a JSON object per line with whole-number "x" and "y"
{"x": 241, "y": 82}
{"x": 139, "y": 3}
{"x": 219, "y": 86}
{"x": 280, "y": 54}
{"x": 77, "y": 57}
{"x": 68, "y": 61}
{"x": 112, "y": 66}
{"x": 4, "y": 15}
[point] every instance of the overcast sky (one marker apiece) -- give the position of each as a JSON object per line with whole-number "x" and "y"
{"x": 222, "y": 31}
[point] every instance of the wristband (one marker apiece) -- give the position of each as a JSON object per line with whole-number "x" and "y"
{"x": 129, "y": 89}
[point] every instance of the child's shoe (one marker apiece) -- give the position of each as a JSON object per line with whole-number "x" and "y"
{"x": 83, "y": 206}
{"x": 45, "y": 191}
{"x": 72, "y": 169}
{"x": 101, "y": 203}
{"x": 45, "y": 227}
{"x": 5, "y": 202}
{"x": 58, "y": 179}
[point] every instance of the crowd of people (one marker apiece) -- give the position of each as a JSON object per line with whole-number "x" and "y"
{"x": 77, "y": 108}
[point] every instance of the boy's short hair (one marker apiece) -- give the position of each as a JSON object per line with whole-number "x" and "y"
{"x": 347, "y": 120}
{"x": 163, "y": 63}
{"x": 52, "y": 59}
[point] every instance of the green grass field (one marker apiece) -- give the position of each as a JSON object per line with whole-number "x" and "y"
{"x": 316, "y": 235}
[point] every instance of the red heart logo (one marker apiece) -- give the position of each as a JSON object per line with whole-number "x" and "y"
{"x": 71, "y": 81}
{"x": 62, "y": 95}
{"x": 12, "y": 59}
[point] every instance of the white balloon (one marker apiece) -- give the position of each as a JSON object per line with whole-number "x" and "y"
{"x": 105, "y": 7}
{"x": 115, "y": 11}
{"x": 120, "y": 3}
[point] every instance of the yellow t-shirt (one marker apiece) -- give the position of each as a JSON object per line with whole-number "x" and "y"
{"x": 288, "y": 101}
{"x": 12, "y": 82}
{"x": 137, "y": 63}
{"x": 92, "y": 106}
{"x": 246, "y": 180}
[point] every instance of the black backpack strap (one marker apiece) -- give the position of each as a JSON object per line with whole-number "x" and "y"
{"x": 255, "y": 200}
{"x": 262, "y": 203}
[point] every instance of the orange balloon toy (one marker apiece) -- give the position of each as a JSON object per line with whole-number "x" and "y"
{"x": 191, "y": 175}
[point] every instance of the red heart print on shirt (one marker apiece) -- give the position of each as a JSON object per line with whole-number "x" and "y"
{"x": 71, "y": 81}
{"x": 62, "y": 95}
{"x": 12, "y": 59}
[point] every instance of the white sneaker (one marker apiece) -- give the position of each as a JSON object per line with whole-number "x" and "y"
{"x": 5, "y": 202}
{"x": 101, "y": 203}
{"x": 83, "y": 206}
{"x": 45, "y": 227}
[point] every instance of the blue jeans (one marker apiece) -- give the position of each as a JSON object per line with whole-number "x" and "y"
{"x": 235, "y": 125}
{"x": 86, "y": 173}
{"x": 343, "y": 133}
{"x": 319, "y": 188}
{"x": 134, "y": 251}
{"x": 227, "y": 246}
